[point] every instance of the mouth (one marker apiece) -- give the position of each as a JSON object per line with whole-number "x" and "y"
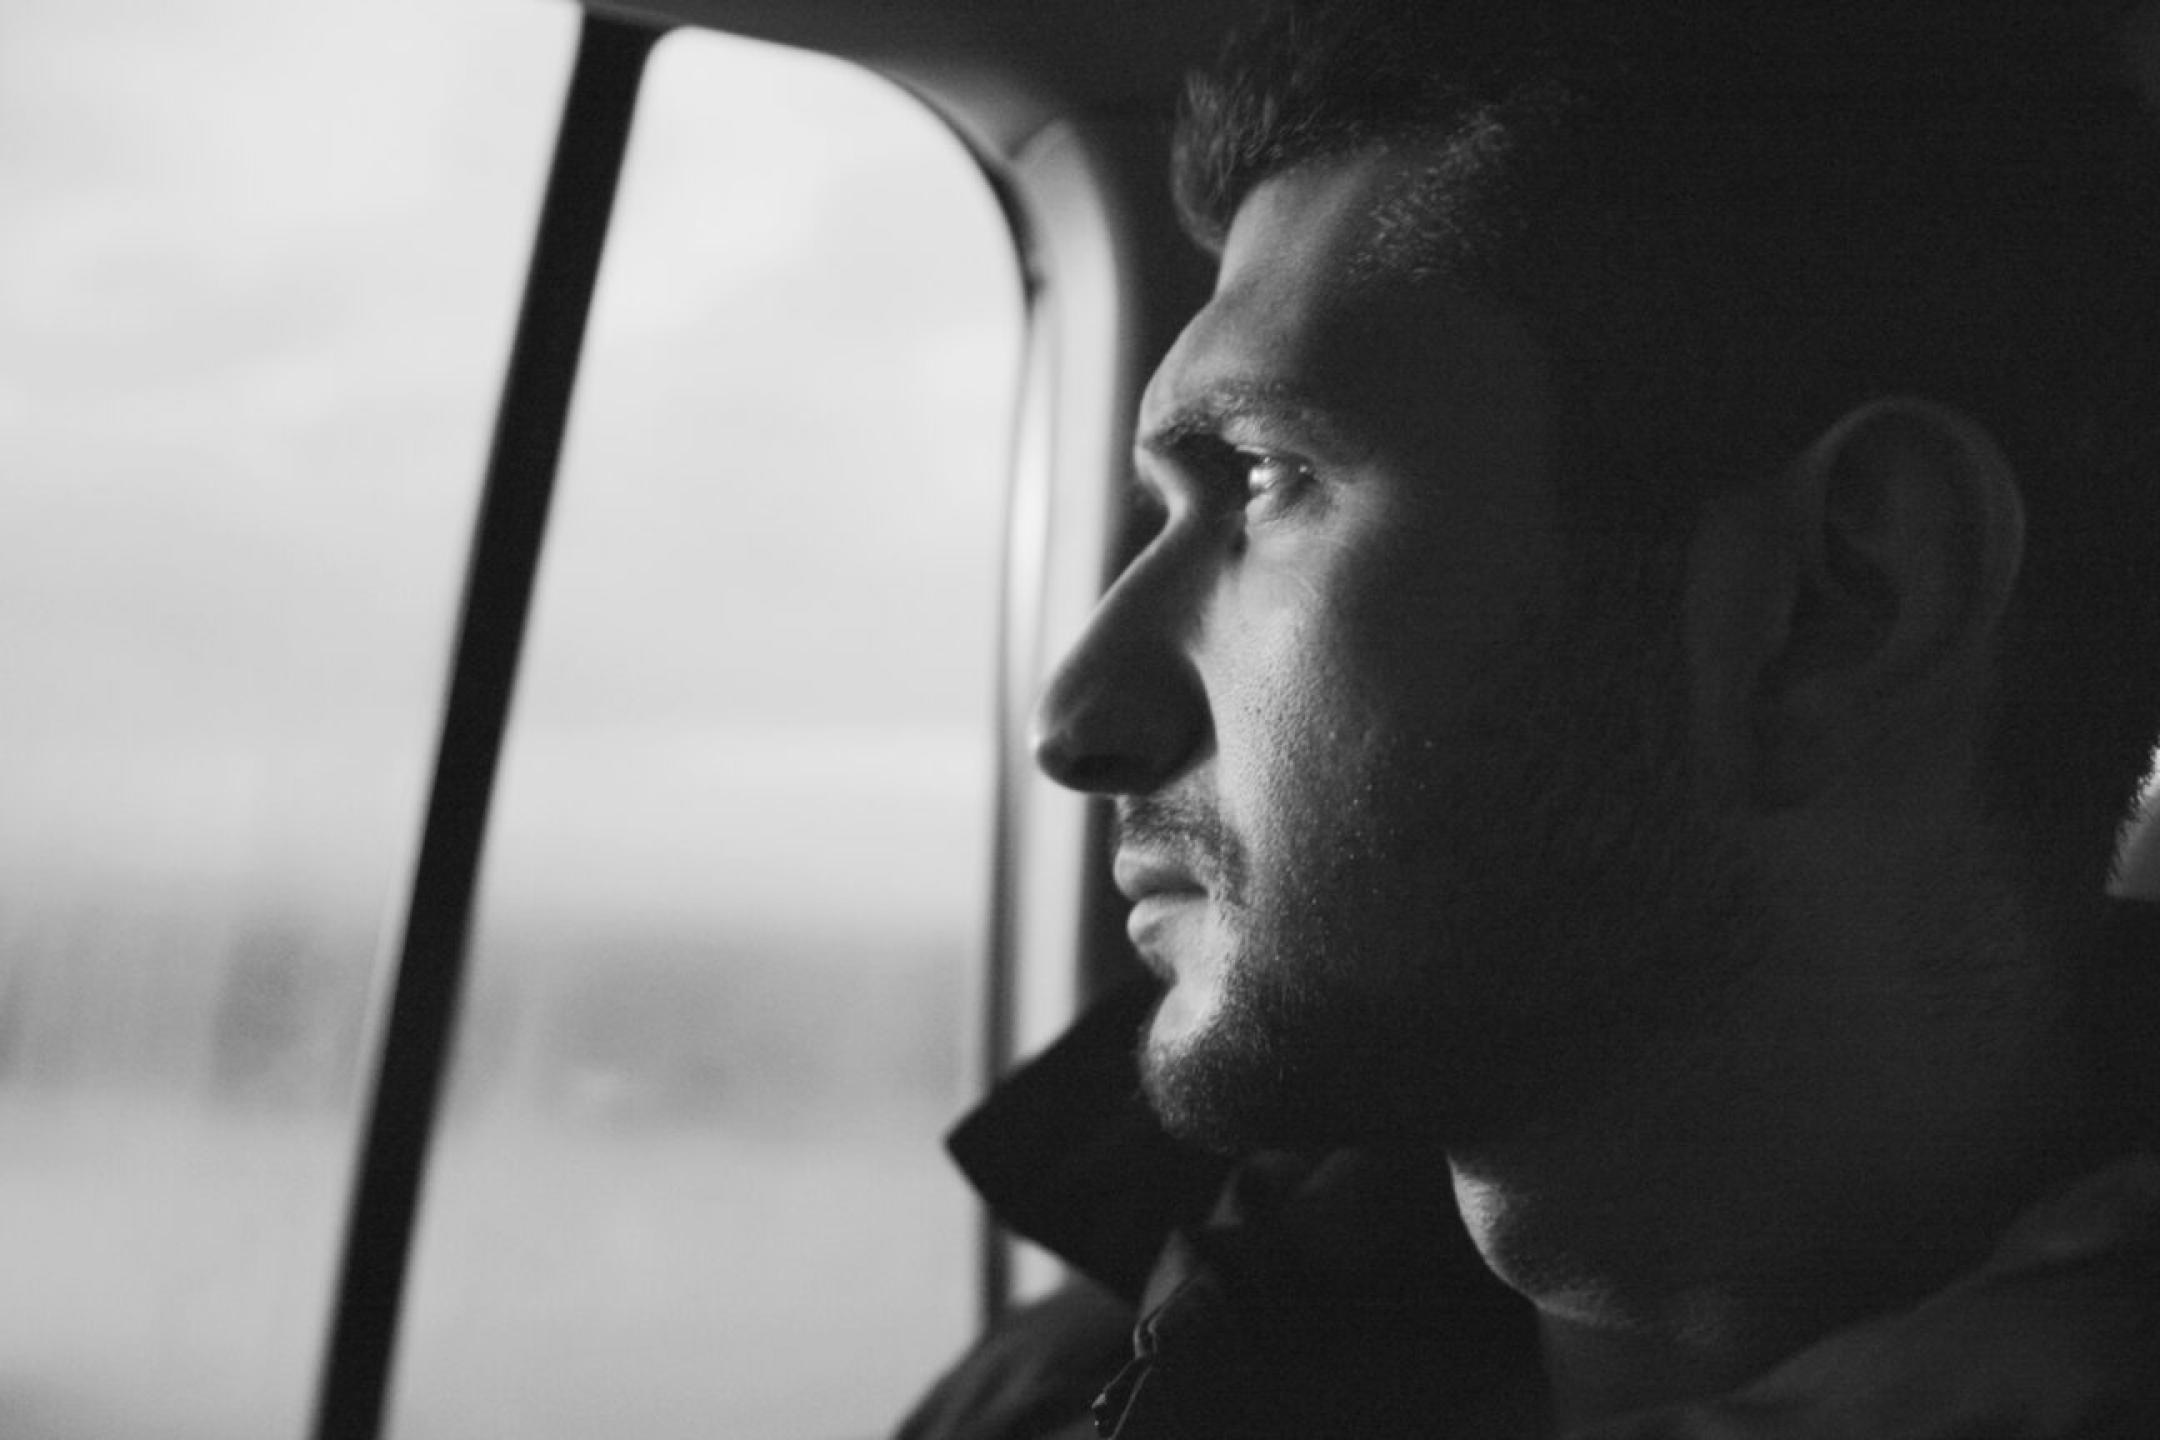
{"x": 1162, "y": 890}
{"x": 1143, "y": 878}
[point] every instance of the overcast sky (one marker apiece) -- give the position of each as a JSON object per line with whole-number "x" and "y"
{"x": 256, "y": 280}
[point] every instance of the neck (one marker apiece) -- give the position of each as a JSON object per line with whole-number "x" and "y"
{"x": 1840, "y": 1148}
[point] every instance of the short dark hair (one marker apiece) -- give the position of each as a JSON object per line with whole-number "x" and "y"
{"x": 1729, "y": 221}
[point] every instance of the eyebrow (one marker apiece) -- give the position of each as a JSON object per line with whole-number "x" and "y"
{"x": 1207, "y": 415}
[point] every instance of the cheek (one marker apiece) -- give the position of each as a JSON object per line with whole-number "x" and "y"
{"x": 1328, "y": 664}
{"x": 1345, "y": 664}
{"x": 1302, "y": 710}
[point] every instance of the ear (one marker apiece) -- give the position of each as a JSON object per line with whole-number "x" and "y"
{"x": 1885, "y": 557}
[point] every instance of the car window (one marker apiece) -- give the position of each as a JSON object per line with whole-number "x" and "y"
{"x": 735, "y": 888}
{"x": 255, "y": 293}
{"x": 256, "y": 279}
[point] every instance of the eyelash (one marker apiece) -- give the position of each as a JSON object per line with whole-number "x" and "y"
{"x": 1233, "y": 469}
{"x": 1280, "y": 493}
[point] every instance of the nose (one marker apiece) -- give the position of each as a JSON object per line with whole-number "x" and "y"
{"x": 1126, "y": 712}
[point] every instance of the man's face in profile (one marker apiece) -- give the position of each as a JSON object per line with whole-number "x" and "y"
{"x": 1404, "y": 820}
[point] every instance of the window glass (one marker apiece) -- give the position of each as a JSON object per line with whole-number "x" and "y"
{"x": 690, "y": 1181}
{"x": 256, "y": 280}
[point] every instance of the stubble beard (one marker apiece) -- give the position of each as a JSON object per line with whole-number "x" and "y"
{"x": 1488, "y": 940}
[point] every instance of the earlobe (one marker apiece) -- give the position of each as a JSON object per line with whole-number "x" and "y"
{"x": 1906, "y": 530}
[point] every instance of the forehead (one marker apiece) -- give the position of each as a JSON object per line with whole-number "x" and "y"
{"x": 1313, "y": 301}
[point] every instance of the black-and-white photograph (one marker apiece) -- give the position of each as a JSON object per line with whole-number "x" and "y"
{"x": 1037, "y": 719}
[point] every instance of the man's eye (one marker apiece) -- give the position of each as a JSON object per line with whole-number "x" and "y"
{"x": 1273, "y": 481}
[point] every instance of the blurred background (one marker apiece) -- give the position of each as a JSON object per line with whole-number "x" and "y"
{"x": 257, "y": 280}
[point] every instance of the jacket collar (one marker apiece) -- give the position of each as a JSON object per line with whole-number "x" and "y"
{"x": 1067, "y": 1153}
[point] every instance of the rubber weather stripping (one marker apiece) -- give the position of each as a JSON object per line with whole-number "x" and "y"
{"x": 413, "y": 1057}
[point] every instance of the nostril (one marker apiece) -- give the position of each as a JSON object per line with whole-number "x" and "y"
{"x": 1136, "y": 759}
{"x": 1064, "y": 754}
{"x": 1069, "y": 764}
{"x": 1095, "y": 773}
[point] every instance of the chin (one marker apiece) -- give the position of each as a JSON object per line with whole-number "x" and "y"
{"x": 1217, "y": 1080}
{"x": 1183, "y": 1016}
{"x": 1175, "y": 1080}
{"x": 1178, "y": 1073}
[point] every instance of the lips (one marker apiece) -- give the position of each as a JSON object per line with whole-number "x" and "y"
{"x": 1161, "y": 889}
{"x": 1142, "y": 876}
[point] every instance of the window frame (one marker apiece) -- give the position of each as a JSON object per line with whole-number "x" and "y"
{"x": 1072, "y": 138}
{"x": 411, "y": 1053}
